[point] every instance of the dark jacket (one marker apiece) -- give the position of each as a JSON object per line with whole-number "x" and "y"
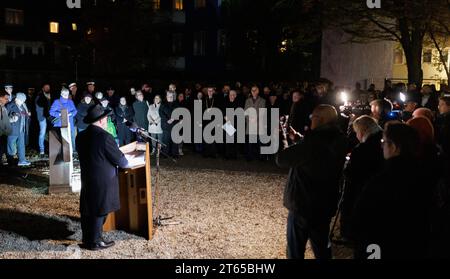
{"x": 5, "y": 126}
{"x": 316, "y": 165}
{"x": 99, "y": 158}
{"x": 140, "y": 114}
{"x": 42, "y": 106}
{"x": 165, "y": 112}
{"x": 392, "y": 212}
{"x": 443, "y": 133}
{"x": 82, "y": 109}
{"x": 365, "y": 162}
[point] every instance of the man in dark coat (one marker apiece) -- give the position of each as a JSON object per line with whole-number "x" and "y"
{"x": 99, "y": 158}
{"x": 83, "y": 107}
{"x": 124, "y": 113}
{"x": 167, "y": 123}
{"x": 43, "y": 104}
{"x": 365, "y": 162}
{"x": 311, "y": 194}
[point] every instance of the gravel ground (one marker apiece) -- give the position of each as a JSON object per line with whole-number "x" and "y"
{"x": 225, "y": 214}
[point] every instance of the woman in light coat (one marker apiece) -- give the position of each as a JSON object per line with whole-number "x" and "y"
{"x": 154, "y": 120}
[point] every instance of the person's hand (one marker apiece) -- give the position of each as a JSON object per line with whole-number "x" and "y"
{"x": 70, "y": 114}
{"x": 29, "y": 114}
{"x": 124, "y": 121}
{"x": 294, "y": 135}
{"x": 14, "y": 119}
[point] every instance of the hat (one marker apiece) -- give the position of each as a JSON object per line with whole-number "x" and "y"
{"x": 72, "y": 85}
{"x": 87, "y": 94}
{"x": 8, "y": 86}
{"x": 96, "y": 113}
{"x": 21, "y": 96}
{"x": 90, "y": 83}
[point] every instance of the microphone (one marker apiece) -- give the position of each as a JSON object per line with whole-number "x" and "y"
{"x": 136, "y": 129}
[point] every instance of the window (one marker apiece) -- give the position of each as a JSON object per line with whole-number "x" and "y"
{"x": 200, "y": 43}
{"x": 199, "y": 4}
{"x": 54, "y": 27}
{"x": 18, "y": 52}
{"x": 178, "y": 5}
{"x": 221, "y": 42}
{"x": 177, "y": 43}
{"x": 28, "y": 51}
{"x": 13, "y": 17}
{"x": 9, "y": 51}
{"x": 74, "y": 27}
{"x": 427, "y": 56}
{"x": 398, "y": 57}
{"x": 156, "y": 4}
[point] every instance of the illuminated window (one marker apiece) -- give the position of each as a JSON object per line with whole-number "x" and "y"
{"x": 54, "y": 27}
{"x": 156, "y": 4}
{"x": 74, "y": 27}
{"x": 427, "y": 56}
{"x": 199, "y": 4}
{"x": 13, "y": 17}
{"x": 398, "y": 57}
{"x": 178, "y": 5}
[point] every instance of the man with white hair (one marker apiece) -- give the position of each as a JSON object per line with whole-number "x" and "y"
{"x": 64, "y": 103}
{"x": 18, "y": 115}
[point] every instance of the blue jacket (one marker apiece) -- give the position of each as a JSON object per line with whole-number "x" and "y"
{"x": 57, "y": 106}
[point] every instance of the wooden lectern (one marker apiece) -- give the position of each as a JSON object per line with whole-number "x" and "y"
{"x": 135, "y": 215}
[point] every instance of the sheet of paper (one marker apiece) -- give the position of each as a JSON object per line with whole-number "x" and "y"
{"x": 229, "y": 129}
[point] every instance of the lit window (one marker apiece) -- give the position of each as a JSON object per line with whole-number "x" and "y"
{"x": 74, "y": 27}
{"x": 398, "y": 57}
{"x": 199, "y": 4}
{"x": 156, "y": 4}
{"x": 427, "y": 56}
{"x": 54, "y": 27}
{"x": 178, "y": 5}
{"x": 13, "y": 17}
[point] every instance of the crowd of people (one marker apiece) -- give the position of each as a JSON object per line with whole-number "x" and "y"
{"x": 380, "y": 158}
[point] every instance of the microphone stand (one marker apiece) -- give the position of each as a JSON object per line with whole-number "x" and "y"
{"x": 159, "y": 220}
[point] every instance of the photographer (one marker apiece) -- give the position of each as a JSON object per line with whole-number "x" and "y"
{"x": 312, "y": 190}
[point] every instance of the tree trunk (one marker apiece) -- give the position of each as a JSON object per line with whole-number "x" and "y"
{"x": 414, "y": 63}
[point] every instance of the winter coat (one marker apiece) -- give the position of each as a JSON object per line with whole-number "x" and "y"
{"x": 5, "y": 125}
{"x": 140, "y": 113}
{"x": 57, "y": 106}
{"x": 316, "y": 164}
{"x": 154, "y": 120}
{"x": 99, "y": 158}
{"x": 392, "y": 212}
{"x": 82, "y": 112}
